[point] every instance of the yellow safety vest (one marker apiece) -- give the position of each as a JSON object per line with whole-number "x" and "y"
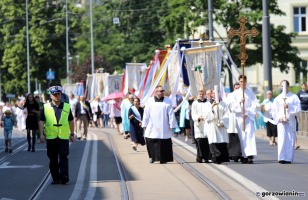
{"x": 52, "y": 128}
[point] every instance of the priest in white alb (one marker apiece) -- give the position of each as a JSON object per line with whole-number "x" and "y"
{"x": 216, "y": 125}
{"x": 247, "y": 133}
{"x": 159, "y": 120}
{"x": 285, "y": 106}
{"x": 234, "y": 145}
{"x": 198, "y": 111}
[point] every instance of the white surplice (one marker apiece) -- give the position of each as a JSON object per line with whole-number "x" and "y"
{"x": 231, "y": 115}
{"x": 247, "y": 137}
{"x": 198, "y": 109}
{"x": 286, "y": 130}
{"x": 159, "y": 119}
{"x": 217, "y": 134}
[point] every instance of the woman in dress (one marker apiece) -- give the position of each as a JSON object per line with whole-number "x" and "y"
{"x": 135, "y": 114}
{"x": 31, "y": 121}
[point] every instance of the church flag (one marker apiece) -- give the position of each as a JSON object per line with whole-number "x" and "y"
{"x": 114, "y": 83}
{"x": 133, "y": 76}
{"x": 203, "y": 67}
{"x": 187, "y": 45}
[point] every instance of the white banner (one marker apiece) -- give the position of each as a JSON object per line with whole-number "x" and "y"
{"x": 97, "y": 85}
{"x": 203, "y": 67}
{"x": 133, "y": 73}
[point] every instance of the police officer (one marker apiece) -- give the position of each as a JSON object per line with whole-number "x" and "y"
{"x": 57, "y": 119}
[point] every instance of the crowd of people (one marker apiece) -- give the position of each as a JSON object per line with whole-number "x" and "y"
{"x": 221, "y": 128}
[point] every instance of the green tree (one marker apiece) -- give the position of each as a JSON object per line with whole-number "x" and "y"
{"x": 227, "y": 14}
{"x": 47, "y": 34}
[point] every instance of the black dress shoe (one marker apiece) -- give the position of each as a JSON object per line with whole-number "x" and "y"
{"x": 64, "y": 180}
{"x": 244, "y": 160}
{"x": 55, "y": 182}
{"x": 287, "y": 162}
{"x": 199, "y": 160}
{"x": 162, "y": 162}
{"x": 282, "y": 161}
{"x": 206, "y": 161}
{"x": 235, "y": 158}
{"x": 78, "y": 138}
{"x": 250, "y": 161}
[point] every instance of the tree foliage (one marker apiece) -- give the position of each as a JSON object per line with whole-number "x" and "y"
{"x": 144, "y": 27}
{"x": 47, "y": 42}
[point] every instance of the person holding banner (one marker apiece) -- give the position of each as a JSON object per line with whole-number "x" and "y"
{"x": 244, "y": 104}
{"x": 135, "y": 114}
{"x": 285, "y": 106}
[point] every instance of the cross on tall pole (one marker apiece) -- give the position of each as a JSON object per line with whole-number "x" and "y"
{"x": 242, "y": 32}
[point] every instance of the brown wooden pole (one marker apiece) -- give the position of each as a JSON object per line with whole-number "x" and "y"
{"x": 244, "y": 86}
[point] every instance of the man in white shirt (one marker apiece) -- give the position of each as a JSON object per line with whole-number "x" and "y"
{"x": 246, "y": 114}
{"x": 285, "y": 106}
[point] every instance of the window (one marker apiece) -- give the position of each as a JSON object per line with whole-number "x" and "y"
{"x": 299, "y": 19}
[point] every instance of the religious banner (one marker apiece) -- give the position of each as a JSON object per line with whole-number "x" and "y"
{"x": 88, "y": 86}
{"x": 70, "y": 89}
{"x": 133, "y": 72}
{"x": 187, "y": 44}
{"x": 114, "y": 83}
{"x": 158, "y": 76}
{"x": 146, "y": 82}
{"x": 97, "y": 85}
{"x": 173, "y": 72}
{"x": 203, "y": 67}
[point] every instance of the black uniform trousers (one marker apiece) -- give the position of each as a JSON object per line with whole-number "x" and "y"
{"x": 57, "y": 152}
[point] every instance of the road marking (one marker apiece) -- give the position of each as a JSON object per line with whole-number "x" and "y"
{"x": 93, "y": 171}
{"x": 82, "y": 171}
{"x": 5, "y": 165}
{"x": 233, "y": 177}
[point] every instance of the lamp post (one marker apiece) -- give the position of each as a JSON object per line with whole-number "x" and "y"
{"x": 210, "y": 10}
{"x": 267, "y": 52}
{"x": 91, "y": 30}
{"x": 28, "y": 53}
{"x": 67, "y": 50}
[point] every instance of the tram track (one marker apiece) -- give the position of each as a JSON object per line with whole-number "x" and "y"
{"x": 204, "y": 180}
{"x": 126, "y": 190}
{"x": 19, "y": 147}
{"x": 217, "y": 176}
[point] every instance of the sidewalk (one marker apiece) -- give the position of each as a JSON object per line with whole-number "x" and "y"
{"x": 302, "y": 141}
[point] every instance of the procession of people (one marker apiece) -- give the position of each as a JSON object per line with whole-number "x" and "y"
{"x": 222, "y": 129}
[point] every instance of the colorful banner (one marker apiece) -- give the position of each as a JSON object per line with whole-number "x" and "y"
{"x": 186, "y": 44}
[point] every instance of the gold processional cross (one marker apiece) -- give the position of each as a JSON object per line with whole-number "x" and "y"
{"x": 242, "y": 32}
